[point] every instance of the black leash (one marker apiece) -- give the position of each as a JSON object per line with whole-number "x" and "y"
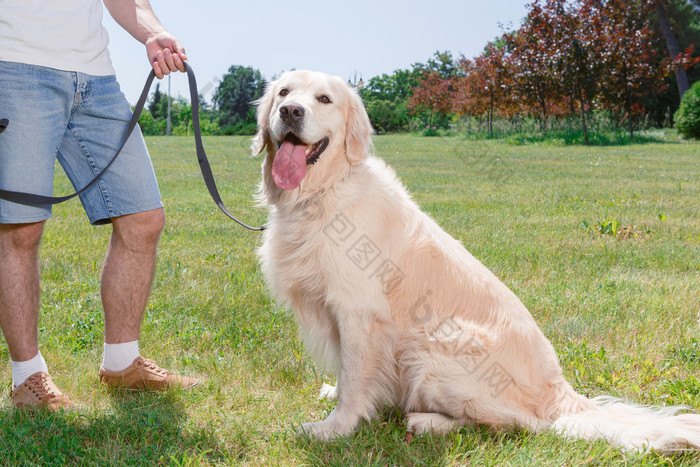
{"x": 33, "y": 199}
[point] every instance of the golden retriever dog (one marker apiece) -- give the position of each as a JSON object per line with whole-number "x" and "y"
{"x": 397, "y": 308}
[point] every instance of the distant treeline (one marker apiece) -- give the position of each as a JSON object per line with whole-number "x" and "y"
{"x": 579, "y": 64}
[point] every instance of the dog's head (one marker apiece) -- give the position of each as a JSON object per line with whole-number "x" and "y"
{"x": 314, "y": 128}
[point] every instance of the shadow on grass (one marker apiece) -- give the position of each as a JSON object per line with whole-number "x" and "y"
{"x": 140, "y": 429}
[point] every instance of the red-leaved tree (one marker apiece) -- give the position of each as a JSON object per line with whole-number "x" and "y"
{"x": 434, "y": 94}
{"x": 627, "y": 53}
{"x": 534, "y": 63}
{"x": 568, "y": 57}
{"x": 486, "y": 87}
{"x": 579, "y": 63}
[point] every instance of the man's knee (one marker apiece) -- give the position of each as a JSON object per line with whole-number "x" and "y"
{"x": 143, "y": 228}
{"x": 20, "y": 237}
{"x": 154, "y": 222}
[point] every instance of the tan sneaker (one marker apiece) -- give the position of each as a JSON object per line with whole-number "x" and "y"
{"x": 39, "y": 392}
{"x": 145, "y": 374}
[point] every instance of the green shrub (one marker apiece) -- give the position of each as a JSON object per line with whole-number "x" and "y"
{"x": 388, "y": 116}
{"x": 430, "y": 131}
{"x": 687, "y": 117}
{"x": 149, "y": 125}
{"x": 240, "y": 129}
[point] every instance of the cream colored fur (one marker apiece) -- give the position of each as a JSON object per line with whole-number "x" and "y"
{"x": 400, "y": 310}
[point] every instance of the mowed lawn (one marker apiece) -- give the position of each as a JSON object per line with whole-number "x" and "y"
{"x": 602, "y": 244}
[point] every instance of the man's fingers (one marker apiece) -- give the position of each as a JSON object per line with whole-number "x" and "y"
{"x": 169, "y": 62}
{"x": 181, "y": 53}
{"x": 178, "y": 60}
{"x": 161, "y": 62}
{"x": 158, "y": 72}
{"x": 165, "y": 59}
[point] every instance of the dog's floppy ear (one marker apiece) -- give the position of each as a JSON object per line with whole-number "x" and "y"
{"x": 268, "y": 190}
{"x": 358, "y": 134}
{"x": 264, "y": 107}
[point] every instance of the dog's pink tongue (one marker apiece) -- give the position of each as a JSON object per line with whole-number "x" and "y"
{"x": 289, "y": 167}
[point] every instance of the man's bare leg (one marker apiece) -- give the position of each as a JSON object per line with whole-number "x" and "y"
{"x": 19, "y": 288}
{"x": 19, "y": 317}
{"x": 127, "y": 274}
{"x": 127, "y": 277}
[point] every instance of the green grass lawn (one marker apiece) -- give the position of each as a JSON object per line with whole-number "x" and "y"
{"x": 602, "y": 244}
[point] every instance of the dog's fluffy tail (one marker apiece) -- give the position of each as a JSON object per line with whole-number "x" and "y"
{"x": 632, "y": 426}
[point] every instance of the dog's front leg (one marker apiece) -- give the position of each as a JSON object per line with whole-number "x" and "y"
{"x": 366, "y": 376}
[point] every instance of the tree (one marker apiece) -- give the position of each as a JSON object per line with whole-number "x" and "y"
{"x": 389, "y": 98}
{"x": 442, "y": 63}
{"x": 395, "y": 87}
{"x": 435, "y": 95}
{"x": 631, "y": 65}
{"x": 672, "y": 45}
{"x": 185, "y": 117}
{"x": 485, "y": 87}
{"x": 684, "y": 19}
{"x": 578, "y": 61}
{"x": 386, "y": 99}
{"x": 234, "y": 96}
{"x": 150, "y": 126}
{"x": 534, "y": 60}
{"x": 158, "y": 105}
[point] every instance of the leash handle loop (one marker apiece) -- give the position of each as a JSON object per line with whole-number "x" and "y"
{"x": 202, "y": 155}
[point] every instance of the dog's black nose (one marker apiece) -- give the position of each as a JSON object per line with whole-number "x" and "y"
{"x": 292, "y": 113}
{"x": 3, "y": 124}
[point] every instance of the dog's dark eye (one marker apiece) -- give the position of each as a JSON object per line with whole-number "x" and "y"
{"x": 324, "y": 99}
{"x": 284, "y": 92}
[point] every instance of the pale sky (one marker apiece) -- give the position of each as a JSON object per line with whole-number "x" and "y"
{"x": 363, "y": 37}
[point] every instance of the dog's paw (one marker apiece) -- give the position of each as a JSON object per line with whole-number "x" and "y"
{"x": 420, "y": 423}
{"x": 328, "y": 392}
{"x": 325, "y": 430}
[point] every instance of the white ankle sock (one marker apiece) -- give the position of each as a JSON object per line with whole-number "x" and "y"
{"x": 118, "y": 357}
{"x": 23, "y": 370}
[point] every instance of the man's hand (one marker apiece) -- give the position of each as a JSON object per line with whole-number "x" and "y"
{"x": 166, "y": 54}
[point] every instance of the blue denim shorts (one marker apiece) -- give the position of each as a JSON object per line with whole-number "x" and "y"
{"x": 80, "y": 120}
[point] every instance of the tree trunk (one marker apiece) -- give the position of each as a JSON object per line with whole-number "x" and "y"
{"x": 672, "y": 46}
{"x": 583, "y": 119}
{"x": 543, "y": 120}
{"x": 628, "y": 105}
{"x": 491, "y": 111}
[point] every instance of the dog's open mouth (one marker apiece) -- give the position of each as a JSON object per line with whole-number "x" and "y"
{"x": 293, "y": 155}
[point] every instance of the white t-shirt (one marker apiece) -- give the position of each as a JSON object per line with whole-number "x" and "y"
{"x": 62, "y": 34}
